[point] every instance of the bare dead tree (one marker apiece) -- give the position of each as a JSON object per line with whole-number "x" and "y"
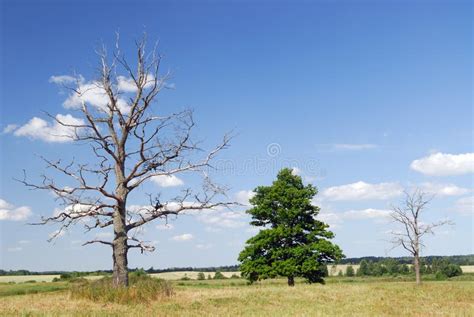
{"x": 413, "y": 229}
{"x": 130, "y": 144}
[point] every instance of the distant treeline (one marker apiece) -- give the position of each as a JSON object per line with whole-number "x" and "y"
{"x": 454, "y": 259}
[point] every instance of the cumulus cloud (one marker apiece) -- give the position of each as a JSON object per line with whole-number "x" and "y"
{"x": 10, "y": 128}
{"x": 465, "y": 205}
{"x": 167, "y": 180}
{"x": 64, "y": 79}
{"x": 127, "y": 84}
{"x": 12, "y": 213}
{"x": 38, "y": 128}
{"x": 93, "y": 94}
{"x": 363, "y": 191}
{"x": 443, "y": 189}
{"x": 75, "y": 210}
{"x": 369, "y": 213}
{"x": 296, "y": 171}
{"x": 243, "y": 197}
{"x": 183, "y": 237}
{"x": 442, "y": 164}
{"x": 335, "y": 219}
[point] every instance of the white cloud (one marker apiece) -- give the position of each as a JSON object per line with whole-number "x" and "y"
{"x": 76, "y": 210}
{"x": 128, "y": 84}
{"x": 167, "y": 180}
{"x": 441, "y": 164}
{"x": 243, "y": 197}
{"x": 353, "y": 147}
{"x": 296, "y": 171}
{"x": 465, "y": 205}
{"x": 24, "y": 242}
{"x": 443, "y": 189}
{"x": 38, "y": 128}
{"x": 183, "y": 237}
{"x": 10, "y": 128}
{"x": 64, "y": 79}
{"x": 10, "y": 212}
{"x": 93, "y": 94}
{"x": 363, "y": 191}
{"x": 369, "y": 213}
{"x": 335, "y": 219}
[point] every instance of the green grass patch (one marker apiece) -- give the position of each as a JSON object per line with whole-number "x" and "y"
{"x": 31, "y": 288}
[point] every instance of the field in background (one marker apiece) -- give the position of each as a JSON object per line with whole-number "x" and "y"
{"x": 178, "y": 275}
{"x": 339, "y": 297}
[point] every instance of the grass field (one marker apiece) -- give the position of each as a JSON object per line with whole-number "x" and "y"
{"x": 233, "y": 297}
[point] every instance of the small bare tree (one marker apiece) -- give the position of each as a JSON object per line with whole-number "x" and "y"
{"x": 129, "y": 145}
{"x": 413, "y": 229}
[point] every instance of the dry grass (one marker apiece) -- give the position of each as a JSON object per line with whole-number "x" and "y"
{"x": 270, "y": 299}
{"x": 190, "y": 274}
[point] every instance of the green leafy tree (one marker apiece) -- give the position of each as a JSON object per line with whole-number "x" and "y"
{"x": 219, "y": 276}
{"x": 349, "y": 271}
{"x": 364, "y": 269}
{"x": 292, "y": 242}
{"x": 201, "y": 276}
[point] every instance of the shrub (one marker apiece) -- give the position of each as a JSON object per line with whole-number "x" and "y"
{"x": 185, "y": 277}
{"x": 141, "y": 289}
{"x": 452, "y": 270}
{"x": 201, "y": 276}
{"x": 440, "y": 276}
{"x": 349, "y": 271}
{"x": 209, "y": 277}
{"x": 219, "y": 276}
{"x": 234, "y": 276}
{"x": 340, "y": 273}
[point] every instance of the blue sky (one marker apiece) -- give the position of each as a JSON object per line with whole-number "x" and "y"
{"x": 363, "y": 98}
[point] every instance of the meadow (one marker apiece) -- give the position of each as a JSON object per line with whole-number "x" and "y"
{"x": 341, "y": 296}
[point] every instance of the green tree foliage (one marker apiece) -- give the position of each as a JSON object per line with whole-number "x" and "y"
{"x": 363, "y": 268}
{"x": 219, "y": 276}
{"x": 201, "y": 276}
{"x": 292, "y": 243}
{"x": 349, "y": 271}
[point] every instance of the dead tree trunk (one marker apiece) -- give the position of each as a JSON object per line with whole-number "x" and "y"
{"x": 120, "y": 250}
{"x": 416, "y": 265}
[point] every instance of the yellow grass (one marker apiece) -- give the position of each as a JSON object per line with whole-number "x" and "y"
{"x": 270, "y": 299}
{"x": 190, "y": 274}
